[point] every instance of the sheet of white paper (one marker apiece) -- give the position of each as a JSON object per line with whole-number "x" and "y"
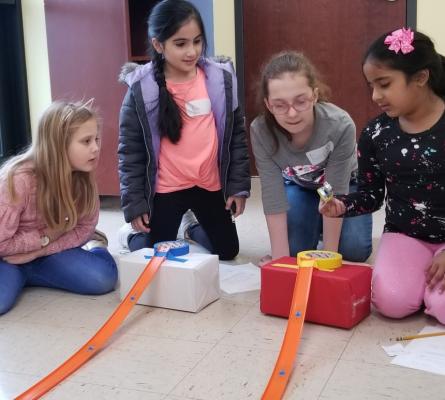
{"x": 394, "y": 349}
{"x": 239, "y": 278}
{"x": 426, "y": 354}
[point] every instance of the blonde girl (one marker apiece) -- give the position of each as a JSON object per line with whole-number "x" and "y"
{"x": 49, "y": 208}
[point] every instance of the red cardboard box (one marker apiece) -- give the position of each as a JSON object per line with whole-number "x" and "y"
{"x": 339, "y": 298}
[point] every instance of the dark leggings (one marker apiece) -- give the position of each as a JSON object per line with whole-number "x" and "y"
{"x": 216, "y": 230}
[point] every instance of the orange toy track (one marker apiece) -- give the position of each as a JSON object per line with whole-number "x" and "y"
{"x": 103, "y": 334}
{"x": 283, "y": 367}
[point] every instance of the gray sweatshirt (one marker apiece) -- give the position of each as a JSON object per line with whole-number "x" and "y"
{"x": 329, "y": 154}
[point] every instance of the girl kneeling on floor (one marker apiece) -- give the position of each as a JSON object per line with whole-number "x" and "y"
{"x": 299, "y": 141}
{"x": 182, "y": 140}
{"x": 402, "y": 150}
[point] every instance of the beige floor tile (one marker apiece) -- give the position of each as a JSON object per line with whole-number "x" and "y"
{"x": 31, "y": 300}
{"x": 231, "y": 372}
{"x": 353, "y": 380}
{"x": 260, "y": 331}
{"x": 209, "y": 325}
{"x": 309, "y": 377}
{"x": 85, "y": 391}
{"x": 13, "y": 384}
{"x": 128, "y": 362}
{"x": 37, "y": 349}
{"x": 369, "y": 336}
{"x": 143, "y": 363}
{"x": 73, "y": 310}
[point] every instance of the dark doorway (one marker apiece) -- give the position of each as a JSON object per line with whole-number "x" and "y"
{"x": 15, "y": 131}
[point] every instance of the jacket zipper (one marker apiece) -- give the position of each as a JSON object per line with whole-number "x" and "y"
{"x": 228, "y": 158}
{"x": 148, "y": 161}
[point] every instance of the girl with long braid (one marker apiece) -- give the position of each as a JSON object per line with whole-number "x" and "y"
{"x": 182, "y": 141}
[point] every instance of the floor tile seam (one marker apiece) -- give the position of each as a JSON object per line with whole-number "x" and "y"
{"x": 336, "y": 363}
{"x": 7, "y": 371}
{"x": 80, "y": 380}
{"x": 269, "y": 350}
{"x": 244, "y": 315}
{"x": 86, "y": 326}
{"x": 50, "y": 325}
{"x": 45, "y": 304}
{"x": 191, "y": 371}
{"x": 168, "y": 338}
{"x": 364, "y": 362}
{"x": 91, "y": 329}
{"x": 334, "y": 367}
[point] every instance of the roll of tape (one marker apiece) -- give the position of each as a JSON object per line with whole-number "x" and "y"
{"x": 325, "y": 260}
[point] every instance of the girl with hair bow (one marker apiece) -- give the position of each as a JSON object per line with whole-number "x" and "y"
{"x": 402, "y": 152}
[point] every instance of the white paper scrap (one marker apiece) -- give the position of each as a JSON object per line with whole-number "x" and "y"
{"x": 426, "y": 354}
{"x": 394, "y": 349}
{"x": 239, "y": 278}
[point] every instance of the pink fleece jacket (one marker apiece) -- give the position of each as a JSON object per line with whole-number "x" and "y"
{"x": 21, "y": 224}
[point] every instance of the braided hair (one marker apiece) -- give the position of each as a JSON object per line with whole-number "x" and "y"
{"x": 165, "y": 19}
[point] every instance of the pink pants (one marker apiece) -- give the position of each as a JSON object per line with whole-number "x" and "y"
{"x": 398, "y": 279}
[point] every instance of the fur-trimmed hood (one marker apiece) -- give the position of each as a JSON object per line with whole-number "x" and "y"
{"x": 132, "y": 72}
{"x": 126, "y": 69}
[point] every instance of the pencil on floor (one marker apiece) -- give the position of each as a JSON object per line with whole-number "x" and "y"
{"x": 420, "y": 336}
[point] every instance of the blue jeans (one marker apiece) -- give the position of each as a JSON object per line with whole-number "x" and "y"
{"x": 305, "y": 226}
{"x": 75, "y": 270}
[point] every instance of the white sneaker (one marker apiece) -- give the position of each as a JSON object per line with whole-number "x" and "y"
{"x": 99, "y": 239}
{"x": 122, "y": 235}
{"x": 188, "y": 220}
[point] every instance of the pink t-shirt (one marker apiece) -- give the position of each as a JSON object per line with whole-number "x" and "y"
{"x": 193, "y": 161}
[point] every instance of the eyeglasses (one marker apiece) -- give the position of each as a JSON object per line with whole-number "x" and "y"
{"x": 302, "y": 104}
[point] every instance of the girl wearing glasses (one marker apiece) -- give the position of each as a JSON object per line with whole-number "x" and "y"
{"x": 299, "y": 142}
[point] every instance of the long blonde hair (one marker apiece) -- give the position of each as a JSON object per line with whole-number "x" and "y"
{"x": 63, "y": 195}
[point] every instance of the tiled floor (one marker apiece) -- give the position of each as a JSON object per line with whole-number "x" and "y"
{"x": 226, "y": 351}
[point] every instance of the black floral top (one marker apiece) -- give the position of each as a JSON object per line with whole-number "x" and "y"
{"x": 412, "y": 167}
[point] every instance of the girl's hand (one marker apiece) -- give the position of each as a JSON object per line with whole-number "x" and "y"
{"x": 23, "y": 258}
{"x": 53, "y": 234}
{"x": 140, "y": 223}
{"x": 236, "y": 202}
{"x": 332, "y": 208}
{"x": 435, "y": 276}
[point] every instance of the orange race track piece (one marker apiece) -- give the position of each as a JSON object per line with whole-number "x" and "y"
{"x": 284, "y": 364}
{"x": 103, "y": 334}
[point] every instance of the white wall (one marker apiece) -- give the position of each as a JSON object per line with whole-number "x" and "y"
{"x": 430, "y": 14}
{"x": 36, "y": 52}
{"x": 224, "y": 28}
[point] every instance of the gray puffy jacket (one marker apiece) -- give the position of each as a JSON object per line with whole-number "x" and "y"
{"x": 139, "y": 136}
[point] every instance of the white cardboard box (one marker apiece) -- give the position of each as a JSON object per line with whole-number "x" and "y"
{"x": 186, "y": 286}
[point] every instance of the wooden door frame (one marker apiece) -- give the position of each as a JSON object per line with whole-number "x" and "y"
{"x": 15, "y": 123}
{"x": 411, "y": 21}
